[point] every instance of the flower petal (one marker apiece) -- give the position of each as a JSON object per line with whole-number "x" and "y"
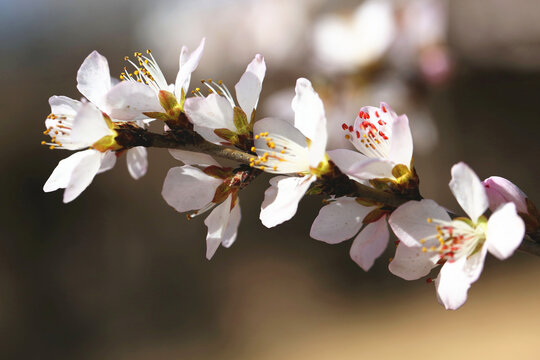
{"x": 410, "y": 263}
{"x": 500, "y": 190}
{"x": 468, "y": 191}
{"x": 63, "y": 105}
{"x": 249, "y": 87}
{"x": 193, "y": 158}
{"x": 345, "y": 159}
{"x": 409, "y": 221}
{"x": 108, "y": 162}
{"x": 213, "y": 111}
{"x": 370, "y": 243}
{"x": 287, "y": 139}
{"x": 372, "y": 169}
{"x": 401, "y": 145}
{"x": 229, "y": 235}
{"x": 310, "y": 119}
{"x": 217, "y": 223}
{"x": 338, "y": 221}
{"x": 282, "y": 197}
{"x": 74, "y": 173}
{"x": 187, "y": 64}
{"x": 129, "y": 99}
{"x": 187, "y": 188}
{"x": 89, "y": 125}
{"x": 456, "y": 278}
{"x": 505, "y": 231}
{"x": 137, "y": 161}
{"x": 94, "y": 79}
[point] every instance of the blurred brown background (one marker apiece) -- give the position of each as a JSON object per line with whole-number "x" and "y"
{"x": 117, "y": 274}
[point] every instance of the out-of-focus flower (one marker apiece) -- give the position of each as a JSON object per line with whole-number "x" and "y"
{"x": 217, "y": 117}
{"x": 145, "y": 89}
{"x": 346, "y": 43}
{"x": 383, "y": 140}
{"x": 342, "y": 219}
{"x": 188, "y": 188}
{"x": 430, "y": 237}
{"x": 284, "y": 148}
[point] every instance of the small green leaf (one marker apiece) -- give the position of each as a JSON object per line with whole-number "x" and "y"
{"x": 227, "y": 135}
{"x": 168, "y": 101}
{"x": 240, "y": 121}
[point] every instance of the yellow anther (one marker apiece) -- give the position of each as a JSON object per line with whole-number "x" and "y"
{"x": 262, "y": 168}
{"x": 209, "y": 80}
{"x": 424, "y": 249}
{"x": 275, "y": 168}
{"x": 148, "y": 51}
{"x": 51, "y": 147}
{"x": 422, "y": 241}
{"x": 256, "y": 137}
{"x": 432, "y": 248}
{"x": 126, "y": 58}
{"x": 347, "y": 136}
{"x": 43, "y": 142}
{"x": 253, "y": 149}
{"x": 429, "y": 220}
{"x": 146, "y": 61}
{"x": 390, "y": 259}
{"x": 203, "y": 81}
{"x": 282, "y": 151}
{"x": 220, "y": 82}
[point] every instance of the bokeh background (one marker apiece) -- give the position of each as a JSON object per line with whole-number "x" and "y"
{"x": 118, "y": 274}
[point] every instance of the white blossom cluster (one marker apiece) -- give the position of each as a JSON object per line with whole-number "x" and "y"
{"x": 294, "y": 150}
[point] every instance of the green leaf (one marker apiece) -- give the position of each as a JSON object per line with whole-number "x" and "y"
{"x": 240, "y": 121}
{"x": 227, "y": 135}
{"x": 168, "y": 100}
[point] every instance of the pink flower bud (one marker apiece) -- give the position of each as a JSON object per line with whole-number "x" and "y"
{"x": 501, "y": 191}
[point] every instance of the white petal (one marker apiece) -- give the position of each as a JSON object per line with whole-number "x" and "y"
{"x": 409, "y": 221}
{"x": 187, "y": 64}
{"x": 217, "y": 223}
{"x": 129, "y": 99}
{"x": 401, "y": 145}
{"x": 249, "y": 87}
{"x": 310, "y": 119}
{"x": 64, "y": 105}
{"x": 284, "y": 135}
{"x": 410, "y": 263}
{"x": 229, "y": 236}
{"x": 345, "y": 159}
{"x": 500, "y": 190}
{"x": 338, "y": 221}
{"x": 468, "y": 191}
{"x": 505, "y": 231}
{"x": 213, "y": 111}
{"x": 456, "y": 278}
{"x": 208, "y": 134}
{"x": 137, "y": 162}
{"x": 370, "y": 243}
{"x": 282, "y": 197}
{"x": 108, "y": 161}
{"x": 193, "y": 158}
{"x": 187, "y": 188}
{"x": 94, "y": 79}
{"x": 372, "y": 169}
{"x": 89, "y": 125}
{"x": 74, "y": 173}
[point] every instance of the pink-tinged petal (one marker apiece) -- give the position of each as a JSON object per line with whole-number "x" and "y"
{"x": 229, "y": 235}
{"x": 89, "y": 125}
{"x": 346, "y": 159}
{"x": 468, "y": 191}
{"x": 216, "y": 223}
{"x": 372, "y": 169}
{"x": 282, "y": 197}
{"x": 409, "y": 222}
{"x": 500, "y": 190}
{"x": 63, "y": 105}
{"x": 370, "y": 243}
{"x": 401, "y": 143}
{"x": 456, "y": 278}
{"x": 193, "y": 158}
{"x": 310, "y": 119}
{"x": 338, "y": 221}
{"x": 107, "y": 162}
{"x": 137, "y": 162}
{"x": 74, "y": 173}
{"x": 213, "y": 112}
{"x": 249, "y": 87}
{"x": 505, "y": 231}
{"x": 187, "y": 64}
{"x": 129, "y": 99}
{"x": 187, "y": 188}
{"x": 411, "y": 263}
{"x": 94, "y": 79}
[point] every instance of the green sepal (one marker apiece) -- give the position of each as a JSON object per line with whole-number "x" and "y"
{"x": 401, "y": 173}
{"x": 228, "y": 135}
{"x": 252, "y": 120}
{"x": 373, "y": 216}
{"x": 315, "y": 190}
{"x": 240, "y": 121}
{"x": 218, "y": 172}
{"x": 221, "y": 193}
{"x": 182, "y": 100}
{"x": 366, "y": 202}
{"x": 381, "y": 184}
{"x": 170, "y": 104}
{"x": 158, "y": 115}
